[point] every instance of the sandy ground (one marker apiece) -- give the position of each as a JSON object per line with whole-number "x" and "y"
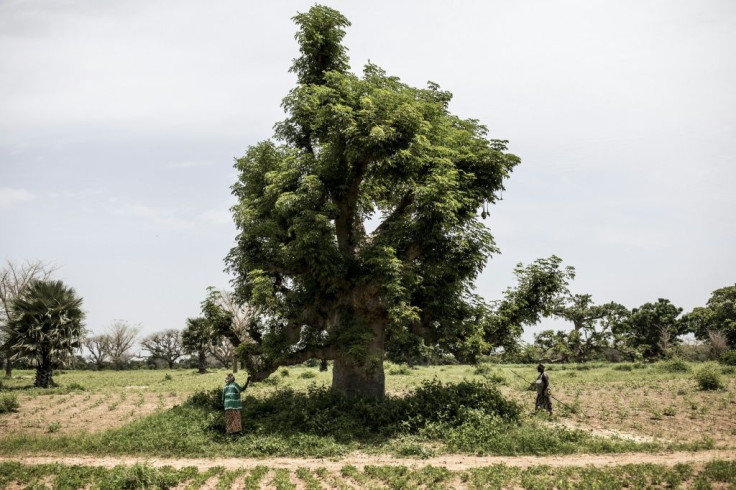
{"x": 451, "y": 462}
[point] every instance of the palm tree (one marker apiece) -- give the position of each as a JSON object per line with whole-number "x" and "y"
{"x": 46, "y": 326}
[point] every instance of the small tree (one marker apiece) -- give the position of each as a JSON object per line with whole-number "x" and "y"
{"x": 166, "y": 345}
{"x": 718, "y": 344}
{"x": 197, "y": 339}
{"x": 46, "y": 324}
{"x": 15, "y": 278}
{"x": 230, "y": 320}
{"x": 593, "y": 325}
{"x": 645, "y": 326}
{"x": 122, "y": 338}
{"x": 98, "y": 347}
{"x": 719, "y": 314}
{"x": 223, "y": 351}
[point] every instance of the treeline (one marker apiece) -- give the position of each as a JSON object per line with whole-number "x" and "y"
{"x": 42, "y": 326}
{"x": 654, "y": 330}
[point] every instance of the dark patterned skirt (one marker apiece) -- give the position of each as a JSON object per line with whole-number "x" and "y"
{"x": 232, "y": 422}
{"x": 543, "y": 402}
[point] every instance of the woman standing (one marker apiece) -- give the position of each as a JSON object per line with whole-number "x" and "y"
{"x": 543, "y": 392}
{"x": 231, "y": 401}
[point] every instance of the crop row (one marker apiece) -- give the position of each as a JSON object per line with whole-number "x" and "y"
{"x": 718, "y": 472}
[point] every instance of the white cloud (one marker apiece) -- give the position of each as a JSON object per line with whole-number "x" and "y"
{"x": 10, "y": 197}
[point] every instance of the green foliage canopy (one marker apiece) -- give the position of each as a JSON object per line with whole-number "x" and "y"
{"x": 718, "y": 314}
{"x": 650, "y": 325}
{"x": 362, "y": 221}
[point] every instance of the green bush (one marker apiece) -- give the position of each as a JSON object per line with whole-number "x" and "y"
{"x": 308, "y": 375}
{"x": 709, "y": 377}
{"x": 675, "y": 365}
{"x": 400, "y": 370}
{"x": 623, "y": 367}
{"x": 728, "y": 358}
{"x": 9, "y": 403}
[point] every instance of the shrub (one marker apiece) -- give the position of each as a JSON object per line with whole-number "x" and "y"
{"x": 623, "y": 367}
{"x": 400, "y": 370}
{"x": 308, "y": 375}
{"x": 674, "y": 365}
{"x": 9, "y": 403}
{"x": 709, "y": 378}
{"x": 482, "y": 369}
{"x": 728, "y": 358}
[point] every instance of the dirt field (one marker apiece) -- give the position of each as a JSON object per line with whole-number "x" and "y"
{"x": 641, "y": 406}
{"x": 81, "y": 411}
{"x": 672, "y": 410}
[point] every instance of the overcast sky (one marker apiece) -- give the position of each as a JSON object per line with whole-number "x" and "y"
{"x": 119, "y": 123}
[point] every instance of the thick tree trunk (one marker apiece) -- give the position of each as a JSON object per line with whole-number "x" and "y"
{"x": 364, "y": 378}
{"x": 44, "y": 373}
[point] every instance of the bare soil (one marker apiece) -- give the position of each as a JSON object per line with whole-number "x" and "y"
{"x": 82, "y": 411}
{"x": 664, "y": 411}
{"x": 451, "y": 462}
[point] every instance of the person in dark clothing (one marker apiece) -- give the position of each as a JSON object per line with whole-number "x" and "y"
{"x": 543, "y": 401}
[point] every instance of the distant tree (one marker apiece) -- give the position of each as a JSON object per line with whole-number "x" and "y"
{"x": 15, "y": 278}
{"x": 46, "y": 325}
{"x": 593, "y": 325}
{"x": 197, "y": 339}
{"x": 98, "y": 347}
{"x": 719, "y": 314}
{"x": 553, "y": 345}
{"x": 122, "y": 337}
{"x": 166, "y": 345}
{"x": 650, "y": 324}
{"x": 228, "y": 324}
{"x": 223, "y": 351}
{"x": 326, "y": 284}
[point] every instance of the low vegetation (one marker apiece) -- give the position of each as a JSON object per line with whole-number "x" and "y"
{"x": 716, "y": 473}
{"x": 474, "y": 410}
